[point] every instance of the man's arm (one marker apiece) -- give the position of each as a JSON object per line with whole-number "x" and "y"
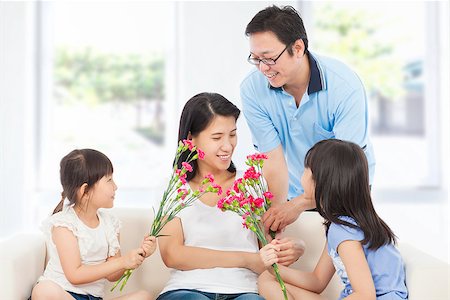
{"x": 282, "y": 212}
{"x": 266, "y": 139}
{"x": 276, "y": 174}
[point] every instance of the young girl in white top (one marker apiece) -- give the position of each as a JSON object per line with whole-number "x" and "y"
{"x": 211, "y": 255}
{"x": 360, "y": 246}
{"x": 83, "y": 241}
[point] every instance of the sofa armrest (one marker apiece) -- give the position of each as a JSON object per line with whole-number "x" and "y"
{"x": 426, "y": 277}
{"x": 22, "y": 258}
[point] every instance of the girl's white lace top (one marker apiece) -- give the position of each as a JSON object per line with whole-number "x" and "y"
{"x": 95, "y": 244}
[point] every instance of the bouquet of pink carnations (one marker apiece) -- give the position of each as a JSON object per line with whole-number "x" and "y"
{"x": 250, "y": 198}
{"x": 177, "y": 196}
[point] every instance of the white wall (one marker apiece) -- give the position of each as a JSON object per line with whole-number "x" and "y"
{"x": 444, "y": 93}
{"x": 212, "y": 52}
{"x": 17, "y": 88}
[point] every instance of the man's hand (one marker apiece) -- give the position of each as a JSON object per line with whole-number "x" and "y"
{"x": 280, "y": 215}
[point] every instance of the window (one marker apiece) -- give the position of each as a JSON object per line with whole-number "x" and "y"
{"x": 387, "y": 46}
{"x": 104, "y": 72}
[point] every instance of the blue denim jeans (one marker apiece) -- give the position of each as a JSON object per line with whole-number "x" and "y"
{"x": 198, "y": 295}
{"x": 84, "y": 297}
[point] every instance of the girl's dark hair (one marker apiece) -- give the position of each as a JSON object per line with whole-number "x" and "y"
{"x": 80, "y": 167}
{"x": 197, "y": 114}
{"x": 285, "y": 22}
{"x": 340, "y": 173}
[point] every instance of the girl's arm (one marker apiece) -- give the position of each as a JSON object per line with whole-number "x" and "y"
{"x": 116, "y": 275}
{"x": 178, "y": 256}
{"x": 290, "y": 250}
{"x": 358, "y": 271}
{"x": 148, "y": 246}
{"x": 315, "y": 281}
{"x": 77, "y": 273}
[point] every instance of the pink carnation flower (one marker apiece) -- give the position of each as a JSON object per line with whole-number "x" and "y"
{"x": 187, "y": 166}
{"x": 268, "y": 195}
{"x": 201, "y": 154}
{"x": 210, "y": 177}
{"x": 183, "y": 193}
{"x": 189, "y": 144}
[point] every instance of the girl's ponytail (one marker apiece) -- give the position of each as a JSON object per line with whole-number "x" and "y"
{"x": 60, "y": 205}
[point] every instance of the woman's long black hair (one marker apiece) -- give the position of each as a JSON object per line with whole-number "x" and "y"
{"x": 197, "y": 114}
{"x": 341, "y": 176}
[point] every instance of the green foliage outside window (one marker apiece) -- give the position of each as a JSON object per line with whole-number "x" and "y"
{"x": 358, "y": 37}
{"x": 90, "y": 75}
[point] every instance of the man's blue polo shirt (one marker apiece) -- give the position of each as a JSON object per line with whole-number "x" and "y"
{"x": 335, "y": 106}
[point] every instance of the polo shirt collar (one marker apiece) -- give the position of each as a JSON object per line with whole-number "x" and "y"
{"x": 316, "y": 82}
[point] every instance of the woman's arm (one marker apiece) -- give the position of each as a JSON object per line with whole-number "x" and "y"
{"x": 358, "y": 271}
{"x": 77, "y": 273}
{"x": 315, "y": 281}
{"x": 178, "y": 256}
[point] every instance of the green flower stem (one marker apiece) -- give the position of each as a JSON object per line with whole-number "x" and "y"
{"x": 280, "y": 281}
{"x": 125, "y": 276}
{"x": 170, "y": 203}
{"x": 259, "y": 230}
{"x": 272, "y": 233}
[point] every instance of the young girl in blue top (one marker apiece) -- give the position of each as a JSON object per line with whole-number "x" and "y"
{"x": 82, "y": 239}
{"x": 360, "y": 246}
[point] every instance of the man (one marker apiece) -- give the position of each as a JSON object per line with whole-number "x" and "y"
{"x": 292, "y": 100}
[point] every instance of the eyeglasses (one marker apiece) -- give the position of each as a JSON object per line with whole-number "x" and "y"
{"x": 267, "y": 61}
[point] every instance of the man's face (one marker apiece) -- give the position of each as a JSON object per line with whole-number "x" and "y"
{"x": 265, "y": 45}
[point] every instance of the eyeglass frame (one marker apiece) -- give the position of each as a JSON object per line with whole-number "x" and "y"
{"x": 273, "y": 61}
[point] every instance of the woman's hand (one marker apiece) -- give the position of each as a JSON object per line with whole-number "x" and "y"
{"x": 133, "y": 259}
{"x": 254, "y": 263}
{"x": 269, "y": 254}
{"x": 148, "y": 245}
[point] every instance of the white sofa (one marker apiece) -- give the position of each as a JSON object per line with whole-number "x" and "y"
{"x": 22, "y": 260}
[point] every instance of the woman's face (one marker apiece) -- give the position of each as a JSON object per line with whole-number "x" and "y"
{"x": 218, "y": 141}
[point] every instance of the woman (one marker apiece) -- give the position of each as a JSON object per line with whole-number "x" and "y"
{"x": 212, "y": 255}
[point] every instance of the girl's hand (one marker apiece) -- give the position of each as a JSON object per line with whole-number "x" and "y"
{"x": 148, "y": 245}
{"x": 133, "y": 259}
{"x": 290, "y": 250}
{"x": 269, "y": 253}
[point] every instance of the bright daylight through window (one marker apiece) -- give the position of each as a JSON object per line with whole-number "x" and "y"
{"x": 107, "y": 88}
